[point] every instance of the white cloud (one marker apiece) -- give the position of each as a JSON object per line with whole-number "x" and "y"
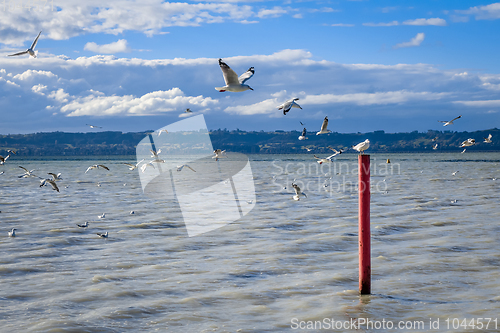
{"x": 59, "y": 95}
{"x": 341, "y": 25}
{"x": 116, "y": 47}
{"x": 274, "y": 12}
{"x": 483, "y": 103}
{"x": 415, "y": 41}
{"x": 488, "y": 12}
{"x": 431, "y": 21}
{"x": 388, "y": 24}
{"x": 156, "y": 102}
{"x": 39, "y": 89}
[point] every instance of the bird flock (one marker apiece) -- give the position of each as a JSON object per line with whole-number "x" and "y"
{"x": 233, "y": 83}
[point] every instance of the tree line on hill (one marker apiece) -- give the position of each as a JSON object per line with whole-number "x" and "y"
{"x": 252, "y": 142}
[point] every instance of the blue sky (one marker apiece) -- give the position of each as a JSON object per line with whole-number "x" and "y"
{"x": 137, "y": 65}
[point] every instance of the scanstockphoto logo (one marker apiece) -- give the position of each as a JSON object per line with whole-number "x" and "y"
{"x": 176, "y": 162}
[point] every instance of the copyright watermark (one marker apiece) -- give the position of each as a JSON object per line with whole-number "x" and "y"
{"x": 330, "y": 177}
{"x": 384, "y": 325}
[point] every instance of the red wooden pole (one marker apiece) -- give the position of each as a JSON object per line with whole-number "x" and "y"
{"x": 364, "y": 224}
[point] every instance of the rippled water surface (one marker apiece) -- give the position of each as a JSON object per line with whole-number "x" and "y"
{"x": 435, "y": 248}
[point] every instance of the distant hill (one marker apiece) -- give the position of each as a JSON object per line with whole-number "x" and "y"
{"x": 278, "y": 142}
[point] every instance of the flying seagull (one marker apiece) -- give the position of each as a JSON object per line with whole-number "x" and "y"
{"x": 133, "y": 166}
{"x": 488, "y": 139}
{"x": 54, "y": 176}
{"x": 218, "y": 154}
{"x": 3, "y": 159}
{"x": 361, "y": 147}
{"x": 180, "y": 167}
{"x": 468, "y": 143}
{"x": 188, "y": 110}
{"x": 105, "y": 235}
{"x": 96, "y": 166}
{"x": 329, "y": 158}
{"x": 12, "y": 233}
{"x": 435, "y": 147}
{"x": 446, "y": 123}
{"x": 162, "y": 130}
{"x": 288, "y": 105}
{"x": 93, "y": 126}
{"x": 30, "y": 51}
{"x": 303, "y": 135}
{"x": 298, "y": 192}
{"x": 52, "y": 183}
{"x": 233, "y": 82}
{"x": 324, "y": 126}
{"x": 27, "y": 173}
{"x": 145, "y": 165}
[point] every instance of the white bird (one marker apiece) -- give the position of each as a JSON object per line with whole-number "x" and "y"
{"x": 361, "y": 147}
{"x": 105, "y": 235}
{"x": 154, "y": 153}
{"x": 446, "y": 123}
{"x": 288, "y": 105}
{"x": 1, "y": 173}
{"x": 162, "y": 130}
{"x": 52, "y": 183}
{"x": 12, "y": 233}
{"x": 298, "y": 192}
{"x": 434, "y": 139}
{"x": 219, "y": 154}
{"x": 303, "y": 135}
{"x": 435, "y": 147}
{"x": 324, "y": 126}
{"x": 93, "y": 126}
{"x": 27, "y": 173}
{"x": 329, "y": 158}
{"x": 180, "y": 167}
{"x": 3, "y": 159}
{"x": 454, "y": 173}
{"x": 188, "y": 110}
{"x": 133, "y": 166}
{"x": 132, "y": 212}
{"x": 102, "y": 216}
{"x": 307, "y": 148}
{"x": 488, "y": 139}
{"x": 96, "y": 166}
{"x": 145, "y": 165}
{"x": 31, "y": 50}
{"x": 467, "y": 143}
{"x": 233, "y": 82}
{"x": 85, "y": 225}
{"x": 54, "y": 176}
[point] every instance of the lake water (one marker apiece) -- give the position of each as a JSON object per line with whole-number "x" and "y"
{"x": 284, "y": 266}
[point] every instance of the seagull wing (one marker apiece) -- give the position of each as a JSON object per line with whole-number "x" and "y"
{"x": 90, "y": 168}
{"x": 246, "y": 76}
{"x": 35, "y": 41}
{"x": 53, "y": 184}
{"x": 324, "y": 125}
{"x": 54, "y": 176}
{"x": 187, "y": 166}
{"x": 455, "y": 118}
{"x": 304, "y": 131}
{"x": 131, "y": 165}
{"x": 138, "y": 163}
{"x": 24, "y": 169}
{"x": 103, "y": 166}
{"x": 230, "y": 77}
{"x": 295, "y": 105}
{"x": 19, "y": 53}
